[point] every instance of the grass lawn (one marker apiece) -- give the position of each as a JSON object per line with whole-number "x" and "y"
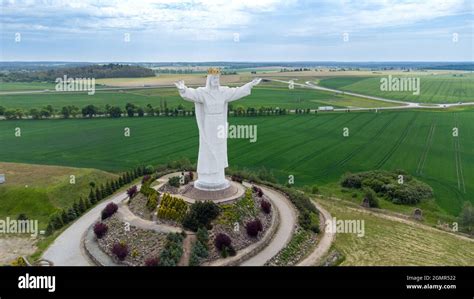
{"x": 38, "y": 190}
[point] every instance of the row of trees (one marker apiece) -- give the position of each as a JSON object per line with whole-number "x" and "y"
{"x": 89, "y": 111}
{"x": 96, "y": 194}
{"x": 130, "y": 110}
{"x": 110, "y": 70}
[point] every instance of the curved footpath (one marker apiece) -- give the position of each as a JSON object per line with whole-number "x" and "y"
{"x": 323, "y": 246}
{"x": 285, "y": 229}
{"x": 67, "y": 250}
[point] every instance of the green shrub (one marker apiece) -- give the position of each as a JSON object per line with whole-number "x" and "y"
{"x": 173, "y": 250}
{"x": 371, "y": 198}
{"x": 202, "y": 235}
{"x": 174, "y": 181}
{"x": 309, "y": 221}
{"x": 385, "y": 183}
{"x": 200, "y": 215}
{"x": 152, "y": 202}
{"x": 314, "y": 189}
{"x": 149, "y": 169}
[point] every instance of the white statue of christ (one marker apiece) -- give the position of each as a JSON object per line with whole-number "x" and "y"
{"x": 211, "y": 116}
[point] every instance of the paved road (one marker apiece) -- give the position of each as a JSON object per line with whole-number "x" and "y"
{"x": 67, "y": 250}
{"x": 403, "y": 104}
{"x": 284, "y": 232}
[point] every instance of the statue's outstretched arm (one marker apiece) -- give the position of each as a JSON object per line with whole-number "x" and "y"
{"x": 243, "y": 91}
{"x": 188, "y": 94}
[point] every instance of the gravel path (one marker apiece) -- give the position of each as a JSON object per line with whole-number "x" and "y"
{"x": 284, "y": 232}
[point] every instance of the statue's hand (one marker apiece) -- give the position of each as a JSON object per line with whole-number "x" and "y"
{"x": 256, "y": 81}
{"x": 180, "y": 85}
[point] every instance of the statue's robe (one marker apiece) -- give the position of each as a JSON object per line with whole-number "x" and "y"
{"x": 211, "y": 117}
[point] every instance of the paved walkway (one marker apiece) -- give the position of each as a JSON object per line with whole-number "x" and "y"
{"x": 324, "y": 244}
{"x": 284, "y": 232}
{"x": 67, "y": 249}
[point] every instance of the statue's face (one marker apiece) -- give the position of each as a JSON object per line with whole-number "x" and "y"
{"x": 214, "y": 81}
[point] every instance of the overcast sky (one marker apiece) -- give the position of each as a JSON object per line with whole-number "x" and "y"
{"x": 240, "y": 30}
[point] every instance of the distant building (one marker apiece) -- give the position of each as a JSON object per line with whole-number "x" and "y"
{"x": 326, "y": 108}
{"x": 2, "y": 178}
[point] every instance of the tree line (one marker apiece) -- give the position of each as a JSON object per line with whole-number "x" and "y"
{"x": 97, "y": 71}
{"x": 96, "y": 194}
{"x": 131, "y": 110}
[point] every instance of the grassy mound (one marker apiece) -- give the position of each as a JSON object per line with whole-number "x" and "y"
{"x": 38, "y": 190}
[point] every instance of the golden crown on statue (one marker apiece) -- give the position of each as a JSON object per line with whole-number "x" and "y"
{"x": 213, "y": 71}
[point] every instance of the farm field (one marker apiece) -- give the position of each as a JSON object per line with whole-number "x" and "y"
{"x": 39, "y": 190}
{"x": 391, "y": 243}
{"x": 267, "y": 95}
{"x": 311, "y": 147}
{"x": 446, "y": 88}
{"x": 15, "y": 86}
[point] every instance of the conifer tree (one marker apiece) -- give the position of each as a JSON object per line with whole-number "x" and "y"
{"x": 98, "y": 194}
{"x": 92, "y": 197}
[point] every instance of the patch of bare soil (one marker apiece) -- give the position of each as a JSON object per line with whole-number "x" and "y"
{"x": 13, "y": 247}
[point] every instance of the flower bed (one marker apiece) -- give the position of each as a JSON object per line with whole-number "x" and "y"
{"x": 141, "y": 244}
{"x": 138, "y": 206}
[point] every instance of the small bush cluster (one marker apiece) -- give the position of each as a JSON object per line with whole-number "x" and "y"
{"x": 309, "y": 221}
{"x": 132, "y": 191}
{"x": 257, "y": 191}
{"x": 254, "y": 227}
{"x": 172, "y": 208}
{"x": 100, "y": 229}
{"x": 152, "y": 202}
{"x": 371, "y": 198}
{"x": 19, "y": 262}
{"x": 120, "y": 250}
{"x": 223, "y": 244}
{"x": 201, "y": 214}
{"x": 174, "y": 181}
{"x": 266, "y": 206}
{"x": 149, "y": 169}
{"x": 200, "y": 249}
{"x": 109, "y": 210}
{"x": 173, "y": 250}
{"x": 237, "y": 178}
{"x": 152, "y": 262}
{"x": 386, "y": 184}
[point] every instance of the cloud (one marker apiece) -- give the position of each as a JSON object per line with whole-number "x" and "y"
{"x": 350, "y": 16}
{"x": 188, "y": 16}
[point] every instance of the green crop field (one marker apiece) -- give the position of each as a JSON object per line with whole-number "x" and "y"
{"x": 265, "y": 95}
{"x": 444, "y": 88}
{"x": 310, "y": 147}
{"x": 16, "y": 86}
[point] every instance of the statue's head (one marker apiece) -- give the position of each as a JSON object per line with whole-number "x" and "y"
{"x": 213, "y": 78}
